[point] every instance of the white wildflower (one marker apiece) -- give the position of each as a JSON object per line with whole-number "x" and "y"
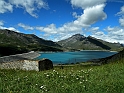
{"x": 47, "y": 75}
{"x": 81, "y": 82}
{"x": 77, "y": 78}
{"x": 54, "y": 70}
{"x": 84, "y": 86}
{"x": 41, "y": 87}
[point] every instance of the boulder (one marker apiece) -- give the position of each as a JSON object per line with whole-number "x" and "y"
{"x": 45, "y": 64}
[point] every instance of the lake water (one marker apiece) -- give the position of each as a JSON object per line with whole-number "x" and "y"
{"x": 74, "y": 57}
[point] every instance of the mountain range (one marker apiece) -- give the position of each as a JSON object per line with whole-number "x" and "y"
{"x": 80, "y": 42}
{"x": 12, "y": 42}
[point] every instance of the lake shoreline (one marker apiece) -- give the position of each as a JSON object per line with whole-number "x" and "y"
{"x": 74, "y": 57}
{"x": 74, "y": 51}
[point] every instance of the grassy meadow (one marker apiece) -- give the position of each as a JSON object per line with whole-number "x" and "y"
{"x": 107, "y": 78}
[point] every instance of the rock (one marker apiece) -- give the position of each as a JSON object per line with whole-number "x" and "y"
{"x": 45, "y": 64}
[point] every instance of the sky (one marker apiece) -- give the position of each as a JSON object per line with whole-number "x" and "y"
{"x": 59, "y": 19}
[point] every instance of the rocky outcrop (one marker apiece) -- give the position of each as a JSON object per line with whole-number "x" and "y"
{"x": 45, "y": 64}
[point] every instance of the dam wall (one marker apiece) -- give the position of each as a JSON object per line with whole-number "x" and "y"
{"x": 20, "y": 61}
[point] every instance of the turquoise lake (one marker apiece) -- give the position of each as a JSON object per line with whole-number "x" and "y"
{"x": 74, "y": 57}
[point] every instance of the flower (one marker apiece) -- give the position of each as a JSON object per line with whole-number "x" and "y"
{"x": 77, "y": 78}
{"x": 81, "y": 82}
{"x": 84, "y": 86}
{"x": 47, "y": 75}
{"x": 54, "y": 70}
{"x": 41, "y": 87}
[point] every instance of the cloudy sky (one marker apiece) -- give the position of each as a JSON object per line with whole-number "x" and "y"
{"x": 59, "y": 19}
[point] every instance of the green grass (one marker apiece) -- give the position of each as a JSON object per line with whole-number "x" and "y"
{"x": 107, "y": 78}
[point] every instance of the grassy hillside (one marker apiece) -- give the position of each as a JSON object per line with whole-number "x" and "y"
{"x": 107, "y": 78}
{"x": 9, "y": 49}
{"x": 13, "y": 43}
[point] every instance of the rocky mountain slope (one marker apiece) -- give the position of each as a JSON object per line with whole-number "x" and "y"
{"x": 80, "y": 42}
{"x": 12, "y": 43}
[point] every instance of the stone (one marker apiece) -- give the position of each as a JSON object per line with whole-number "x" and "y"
{"x": 45, "y": 64}
{"x": 30, "y": 65}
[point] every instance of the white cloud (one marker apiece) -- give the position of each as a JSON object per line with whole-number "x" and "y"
{"x": 121, "y": 13}
{"x": 95, "y": 28}
{"x": 121, "y": 21}
{"x": 59, "y": 33}
{"x": 30, "y": 6}
{"x": 99, "y": 33}
{"x": 66, "y": 28}
{"x": 1, "y": 23}
{"x": 92, "y": 12}
{"x": 74, "y": 14}
{"x": 51, "y": 29}
{"x": 116, "y": 31}
{"x": 12, "y": 29}
{"x": 70, "y": 27}
{"x": 114, "y": 34}
{"x": 5, "y": 7}
{"x": 109, "y": 28}
{"x": 26, "y": 27}
{"x": 9, "y": 28}
{"x": 91, "y": 15}
{"x": 86, "y": 3}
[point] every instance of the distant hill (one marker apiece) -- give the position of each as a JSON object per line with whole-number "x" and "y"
{"x": 80, "y": 42}
{"x": 12, "y": 43}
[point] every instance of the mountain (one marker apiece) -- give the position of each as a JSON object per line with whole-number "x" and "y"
{"x": 13, "y": 42}
{"x": 80, "y": 42}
